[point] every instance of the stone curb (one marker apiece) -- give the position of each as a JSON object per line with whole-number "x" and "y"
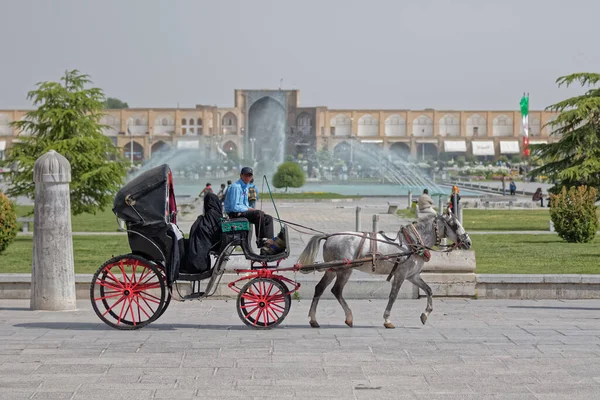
{"x": 482, "y": 286}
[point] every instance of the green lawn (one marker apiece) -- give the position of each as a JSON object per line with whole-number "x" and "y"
{"x": 102, "y": 221}
{"x": 499, "y": 220}
{"x": 89, "y": 251}
{"x": 506, "y": 220}
{"x": 309, "y": 196}
{"x": 496, "y": 254}
{"x": 534, "y": 254}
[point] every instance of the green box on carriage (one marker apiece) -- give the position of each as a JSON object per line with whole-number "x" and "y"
{"x": 235, "y": 226}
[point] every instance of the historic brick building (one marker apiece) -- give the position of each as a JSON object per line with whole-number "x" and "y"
{"x": 262, "y": 121}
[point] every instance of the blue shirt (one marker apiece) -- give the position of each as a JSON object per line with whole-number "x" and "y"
{"x": 236, "y": 199}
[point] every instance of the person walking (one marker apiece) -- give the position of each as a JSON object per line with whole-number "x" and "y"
{"x": 512, "y": 187}
{"x": 207, "y": 189}
{"x": 454, "y": 200}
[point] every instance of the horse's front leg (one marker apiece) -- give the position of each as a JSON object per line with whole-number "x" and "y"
{"x": 421, "y": 284}
{"x": 337, "y": 289}
{"x": 396, "y": 284}
{"x": 319, "y": 289}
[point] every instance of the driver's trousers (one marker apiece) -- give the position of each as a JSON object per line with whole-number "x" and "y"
{"x": 263, "y": 223}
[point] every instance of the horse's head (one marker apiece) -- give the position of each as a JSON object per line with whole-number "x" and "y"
{"x": 449, "y": 227}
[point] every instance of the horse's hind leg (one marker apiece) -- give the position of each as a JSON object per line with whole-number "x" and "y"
{"x": 338, "y": 288}
{"x": 420, "y": 283}
{"x": 319, "y": 289}
{"x": 396, "y": 284}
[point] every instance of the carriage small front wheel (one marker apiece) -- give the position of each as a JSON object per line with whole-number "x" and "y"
{"x": 128, "y": 292}
{"x": 263, "y": 303}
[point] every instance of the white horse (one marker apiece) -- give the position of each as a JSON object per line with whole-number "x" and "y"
{"x": 413, "y": 241}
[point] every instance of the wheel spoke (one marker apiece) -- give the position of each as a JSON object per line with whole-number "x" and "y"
{"x": 131, "y": 309}
{"x": 140, "y": 308}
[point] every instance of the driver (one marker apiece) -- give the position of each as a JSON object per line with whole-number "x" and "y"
{"x": 236, "y": 206}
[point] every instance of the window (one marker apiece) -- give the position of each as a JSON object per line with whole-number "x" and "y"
{"x": 183, "y": 121}
{"x": 475, "y": 130}
{"x": 184, "y": 131}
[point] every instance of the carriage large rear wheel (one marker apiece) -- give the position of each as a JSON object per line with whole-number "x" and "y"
{"x": 128, "y": 292}
{"x": 263, "y": 303}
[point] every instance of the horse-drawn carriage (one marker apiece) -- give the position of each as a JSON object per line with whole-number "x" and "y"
{"x": 132, "y": 290}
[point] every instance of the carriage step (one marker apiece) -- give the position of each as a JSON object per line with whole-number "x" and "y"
{"x": 194, "y": 296}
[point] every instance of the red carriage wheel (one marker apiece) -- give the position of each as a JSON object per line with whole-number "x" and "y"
{"x": 263, "y": 303}
{"x": 128, "y": 292}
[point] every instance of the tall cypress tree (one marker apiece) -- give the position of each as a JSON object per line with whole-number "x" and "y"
{"x": 67, "y": 120}
{"x": 575, "y": 159}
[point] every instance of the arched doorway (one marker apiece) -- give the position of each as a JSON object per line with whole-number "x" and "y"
{"x": 230, "y": 149}
{"x": 426, "y": 151}
{"x": 266, "y": 131}
{"x": 160, "y": 146}
{"x": 342, "y": 151}
{"x": 138, "y": 151}
{"x": 400, "y": 150}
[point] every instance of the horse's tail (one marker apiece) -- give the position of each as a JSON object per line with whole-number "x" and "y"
{"x": 310, "y": 252}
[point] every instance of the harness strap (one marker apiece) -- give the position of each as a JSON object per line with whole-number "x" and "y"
{"x": 360, "y": 245}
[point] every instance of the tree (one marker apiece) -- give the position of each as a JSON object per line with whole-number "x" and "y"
{"x": 289, "y": 174}
{"x": 575, "y": 159}
{"x": 8, "y": 222}
{"x": 573, "y": 213}
{"x": 67, "y": 120}
{"x": 114, "y": 103}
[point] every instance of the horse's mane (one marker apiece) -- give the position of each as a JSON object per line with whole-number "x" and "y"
{"x": 423, "y": 223}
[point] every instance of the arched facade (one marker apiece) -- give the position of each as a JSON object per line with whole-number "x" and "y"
{"x": 164, "y": 124}
{"x": 476, "y": 126}
{"x": 341, "y": 125}
{"x": 422, "y": 126}
{"x": 395, "y": 125}
{"x": 5, "y": 128}
{"x": 502, "y": 126}
{"x": 449, "y": 125}
{"x": 229, "y": 123}
{"x": 368, "y": 126}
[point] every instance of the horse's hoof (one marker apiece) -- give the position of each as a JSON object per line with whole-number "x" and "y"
{"x": 349, "y": 323}
{"x": 389, "y": 325}
{"x": 314, "y": 324}
{"x": 423, "y": 318}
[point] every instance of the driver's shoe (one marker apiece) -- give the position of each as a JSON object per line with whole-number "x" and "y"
{"x": 273, "y": 246}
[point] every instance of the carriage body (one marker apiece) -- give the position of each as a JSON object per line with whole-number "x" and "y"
{"x": 133, "y": 290}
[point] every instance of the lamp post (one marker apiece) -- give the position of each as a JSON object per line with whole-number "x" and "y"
{"x": 252, "y": 140}
{"x": 130, "y": 141}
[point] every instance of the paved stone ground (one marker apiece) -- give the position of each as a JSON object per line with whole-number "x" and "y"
{"x": 470, "y": 349}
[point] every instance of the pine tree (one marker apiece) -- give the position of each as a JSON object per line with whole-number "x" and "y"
{"x": 575, "y": 159}
{"x": 67, "y": 120}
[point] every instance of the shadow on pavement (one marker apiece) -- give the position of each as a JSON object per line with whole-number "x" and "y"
{"x": 89, "y": 326}
{"x": 559, "y": 308}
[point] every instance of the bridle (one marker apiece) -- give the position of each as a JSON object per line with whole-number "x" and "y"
{"x": 460, "y": 238}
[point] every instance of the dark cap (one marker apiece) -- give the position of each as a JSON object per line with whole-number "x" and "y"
{"x": 247, "y": 171}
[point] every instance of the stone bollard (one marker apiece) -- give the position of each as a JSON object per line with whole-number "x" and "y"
{"x": 375, "y": 223}
{"x": 440, "y": 205}
{"x": 459, "y": 215}
{"x": 409, "y": 200}
{"x": 551, "y": 226}
{"x": 358, "y": 225}
{"x": 53, "y": 271}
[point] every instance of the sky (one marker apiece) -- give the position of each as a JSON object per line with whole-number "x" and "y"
{"x": 390, "y": 54}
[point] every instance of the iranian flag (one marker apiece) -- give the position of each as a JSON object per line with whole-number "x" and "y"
{"x": 525, "y": 115}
